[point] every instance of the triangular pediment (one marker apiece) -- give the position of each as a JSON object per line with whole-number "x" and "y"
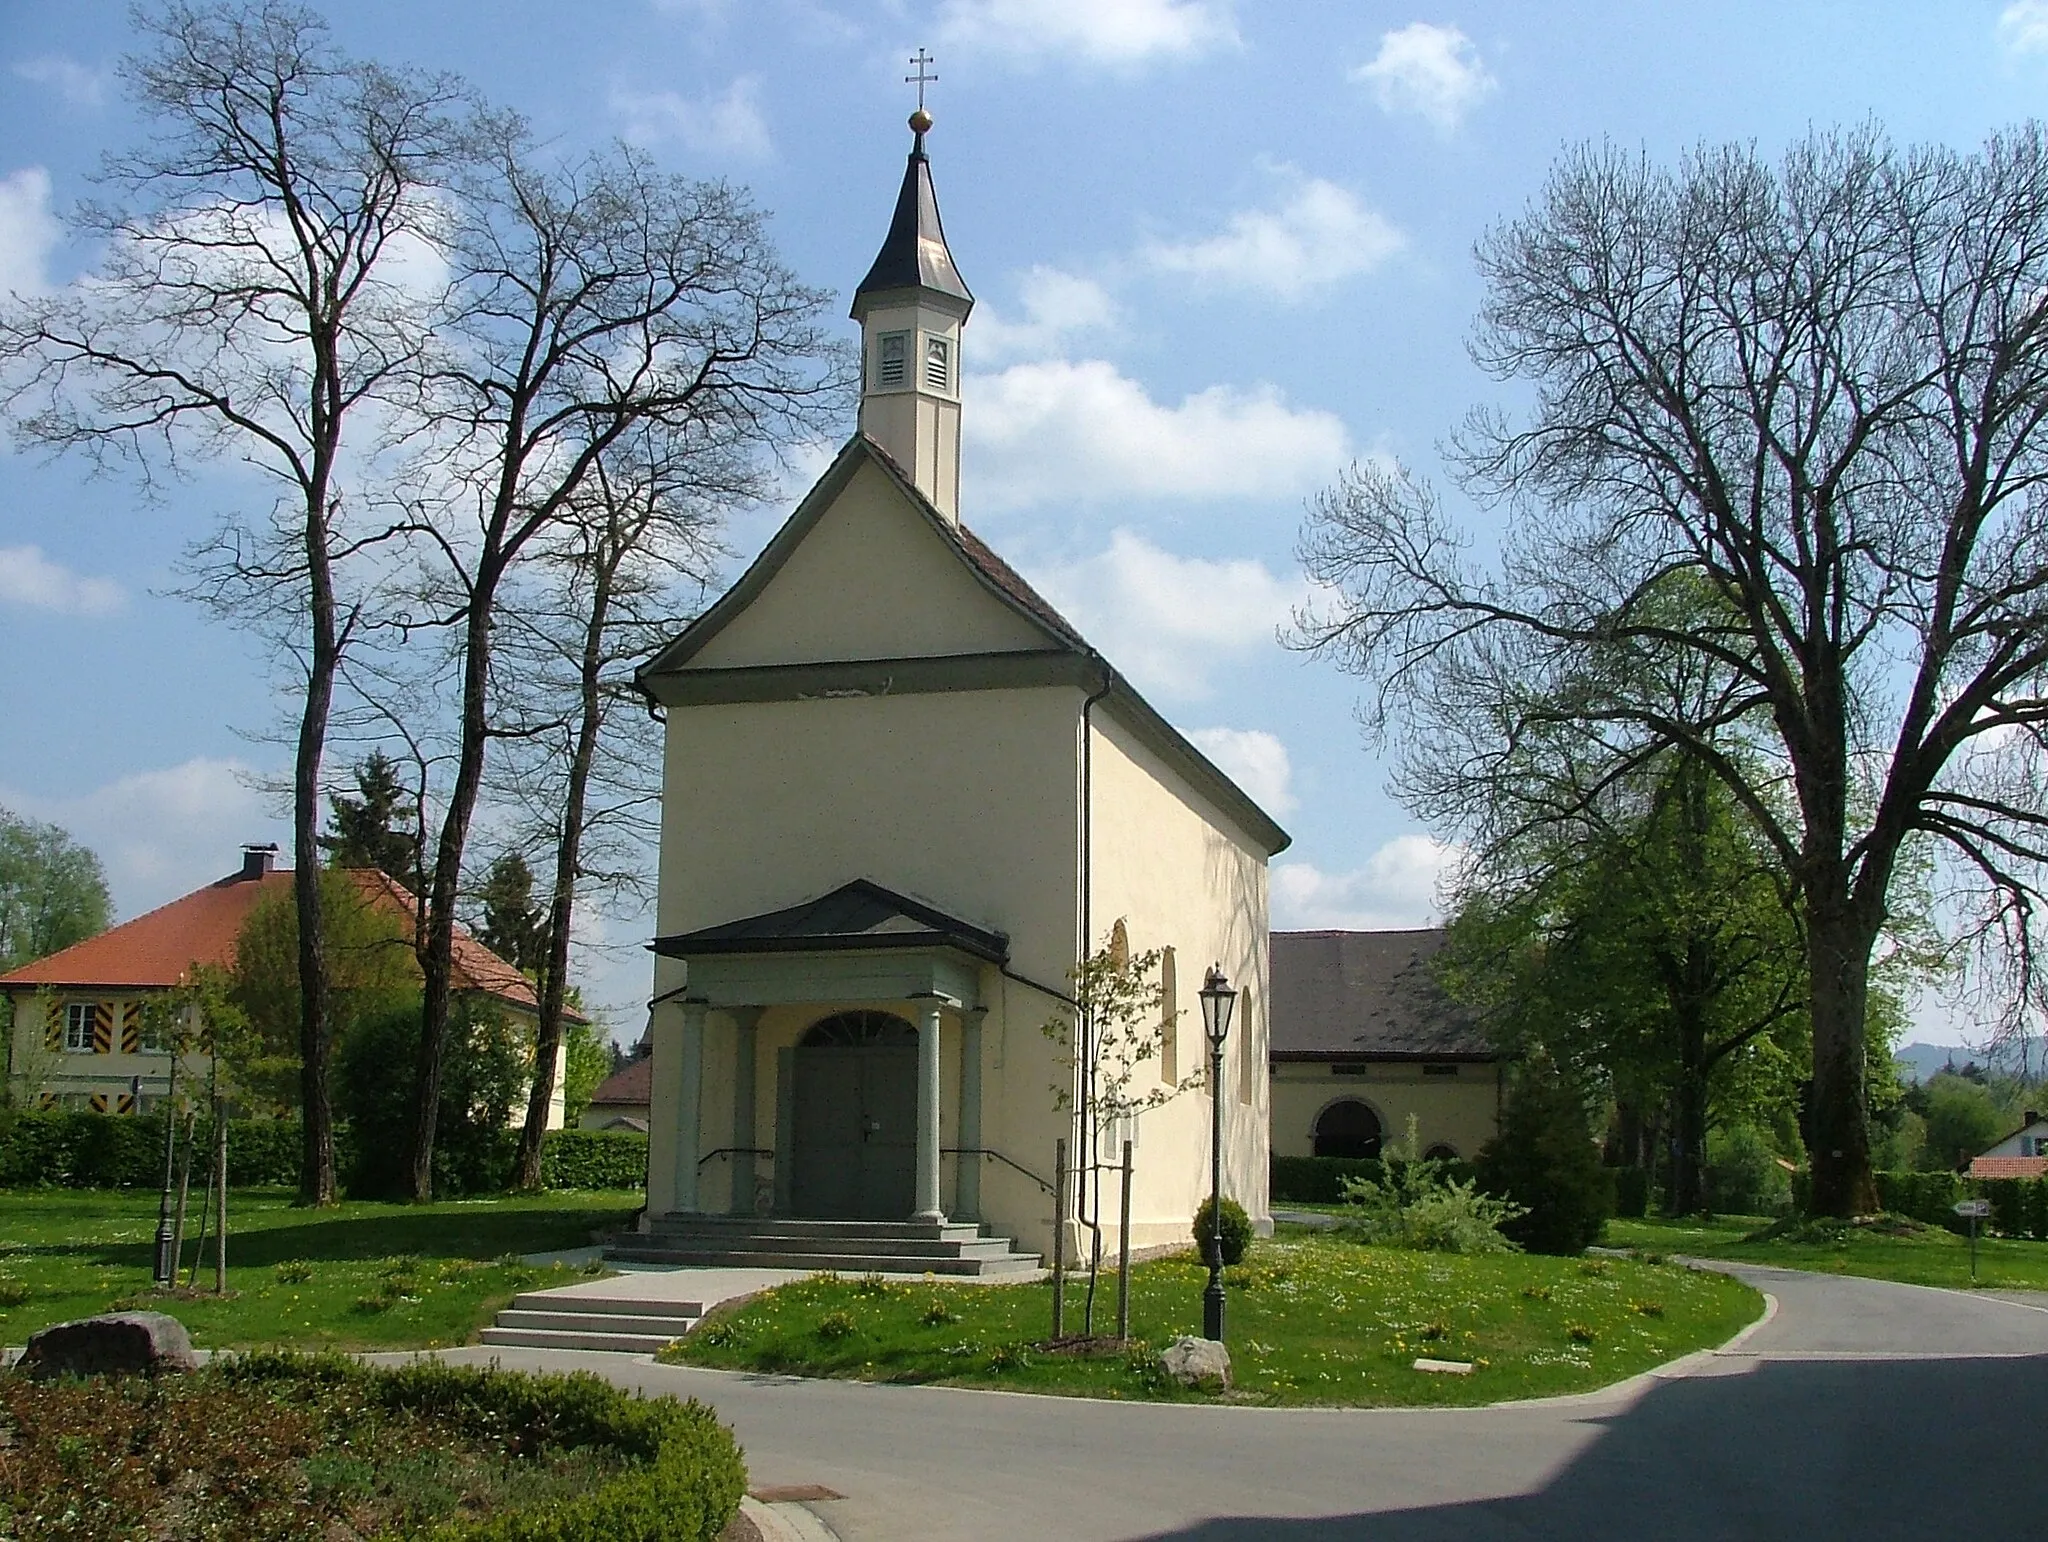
{"x": 864, "y": 569}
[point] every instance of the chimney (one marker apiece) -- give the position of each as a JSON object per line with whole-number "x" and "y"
{"x": 258, "y": 860}
{"x": 2030, "y": 1117}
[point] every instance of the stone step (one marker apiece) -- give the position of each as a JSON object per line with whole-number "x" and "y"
{"x": 756, "y": 1242}
{"x": 664, "y": 1326}
{"x": 843, "y": 1263}
{"x": 546, "y": 1338}
{"x": 774, "y": 1226}
{"x": 626, "y": 1306}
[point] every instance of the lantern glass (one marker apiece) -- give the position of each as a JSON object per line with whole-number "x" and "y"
{"x": 1218, "y": 1000}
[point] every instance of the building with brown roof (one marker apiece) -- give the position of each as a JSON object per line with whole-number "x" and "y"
{"x": 621, "y": 1100}
{"x": 2022, "y": 1154}
{"x": 81, "y": 1032}
{"x": 1364, "y": 1039}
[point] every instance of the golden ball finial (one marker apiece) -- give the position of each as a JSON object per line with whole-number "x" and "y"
{"x": 920, "y": 122}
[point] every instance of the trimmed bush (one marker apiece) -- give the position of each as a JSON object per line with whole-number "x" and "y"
{"x": 1237, "y": 1230}
{"x": 66, "y": 1148}
{"x": 687, "y": 1491}
{"x": 594, "y": 1159}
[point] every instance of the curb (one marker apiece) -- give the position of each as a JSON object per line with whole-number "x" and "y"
{"x": 785, "y": 1522}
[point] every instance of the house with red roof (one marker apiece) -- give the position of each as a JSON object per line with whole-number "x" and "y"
{"x": 2022, "y": 1154}
{"x": 82, "y": 1037}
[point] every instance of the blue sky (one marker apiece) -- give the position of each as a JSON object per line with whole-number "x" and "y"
{"x": 1220, "y": 249}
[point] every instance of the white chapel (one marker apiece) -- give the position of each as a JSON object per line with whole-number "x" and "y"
{"x": 901, "y": 798}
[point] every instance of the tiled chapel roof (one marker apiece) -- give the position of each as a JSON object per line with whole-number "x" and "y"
{"x": 1339, "y": 994}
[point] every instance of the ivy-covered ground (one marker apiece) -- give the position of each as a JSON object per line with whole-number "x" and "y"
{"x": 358, "y": 1276}
{"x": 1311, "y": 1320}
{"x": 1887, "y": 1248}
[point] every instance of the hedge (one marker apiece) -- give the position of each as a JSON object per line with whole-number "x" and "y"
{"x": 687, "y": 1489}
{"x": 2019, "y": 1206}
{"x": 1315, "y": 1180}
{"x": 70, "y": 1148}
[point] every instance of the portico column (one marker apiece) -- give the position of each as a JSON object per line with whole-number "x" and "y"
{"x": 689, "y": 1094}
{"x": 928, "y": 1210}
{"x": 746, "y": 1020}
{"x": 967, "y": 1168}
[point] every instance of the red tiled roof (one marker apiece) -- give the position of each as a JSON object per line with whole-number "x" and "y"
{"x": 632, "y": 1083}
{"x": 2008, "y": 1167}
{"x": 156, "y": 949}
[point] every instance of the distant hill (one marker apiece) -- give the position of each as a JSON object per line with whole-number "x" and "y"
{"x": 1917, "y": 1062}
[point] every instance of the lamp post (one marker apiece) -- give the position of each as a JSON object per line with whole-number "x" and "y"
{"x": 1218, "y": 1000}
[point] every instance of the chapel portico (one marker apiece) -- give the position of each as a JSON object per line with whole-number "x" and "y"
{"x": 867, "y": 996}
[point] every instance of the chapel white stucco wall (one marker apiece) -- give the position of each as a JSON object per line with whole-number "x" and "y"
{"x": 1182, "y": 876}
{"x": 1461, "y": 1112}
{"x": 871, "y": 580}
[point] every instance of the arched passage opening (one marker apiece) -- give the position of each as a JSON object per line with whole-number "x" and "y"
{"x": 1347, "y": 1128}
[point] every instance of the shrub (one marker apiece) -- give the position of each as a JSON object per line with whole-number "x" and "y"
{"x": 74, "y": 1148}
{"x": 483, "y": 1078}
{"x": 1743, "y": 1175}
{"x": 1415, "y": 1204}
{"x": 1313, "y": 1180}
{"x": 1237, "y": 1230}
{"x": 687, "y": 1490}
{"x": 1545, "y": 1161}
{"x": 594, "y": 1159}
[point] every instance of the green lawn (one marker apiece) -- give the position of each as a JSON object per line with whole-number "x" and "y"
{"x": 1311, "y": 1320}
{"x": 375, "y": 1276}
{"x": 1928, "y": 1256}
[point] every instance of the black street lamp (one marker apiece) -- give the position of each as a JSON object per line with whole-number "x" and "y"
{"x": 1218, "y": 1000}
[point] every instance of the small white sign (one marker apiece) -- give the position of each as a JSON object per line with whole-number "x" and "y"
{"x": 1973, "y": 1207}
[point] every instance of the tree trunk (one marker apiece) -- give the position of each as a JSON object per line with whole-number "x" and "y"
{"x": 1838, "y": 958}
{"x": 1689, "y": 1100}
{"x": 316, "y": 1165}
{"x": 437, "y": 945}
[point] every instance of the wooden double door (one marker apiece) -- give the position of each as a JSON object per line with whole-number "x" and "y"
{"x": 854, "y": 1119}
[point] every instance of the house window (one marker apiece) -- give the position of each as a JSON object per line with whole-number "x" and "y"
{"x": 78, "y": 1027}
{"x": 155, "y": 1034}
{"x": 1439, "y": 1070}
{"x": 892, "y": 362}
{"x": 1351, "y": 1068}
{"x": 938, "y": 366}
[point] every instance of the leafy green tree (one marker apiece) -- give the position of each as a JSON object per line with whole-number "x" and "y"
{"x": 1544, "y": 1160}
{"x": 514, "y": 925}
{"x": 1961, "y": 1116}
{"x": 370, "y": 971}
{"x": 486, "y": 1075}
{"x": 379, "y": 827}
{"x": 587, "y": 1060}
{"x": 52, "y": 891}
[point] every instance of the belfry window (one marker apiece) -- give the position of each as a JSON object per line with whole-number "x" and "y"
{"x": 938, "y": 365}
{"x": 892, "y": 361}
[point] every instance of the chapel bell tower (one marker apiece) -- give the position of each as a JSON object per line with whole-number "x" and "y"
{"x": 911, "y": 308}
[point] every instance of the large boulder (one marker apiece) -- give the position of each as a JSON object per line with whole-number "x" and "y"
{"x": 120, "y": 1343}
{"x": 1197, "y": 1362}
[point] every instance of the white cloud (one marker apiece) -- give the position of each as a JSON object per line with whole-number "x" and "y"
{"x": 1318, "y": 235}
{"x": 1396, "y": 888}
{"x": 29, "y": 578}
{"x": 1165, "y": 620}
{"x": 1255, "y": 760}
{"x": 1433, "y": 72}
{"x": 727, "y": 124}
{"x": 1111, "y": 32}
{"x": 79, "y": 85}
{"x": 1084, "y": 432}
{"x": 2023, "y": 28}
{"x": 161, "y": 833}
{"x": 28, "y": 231}
{"x": 1058, "y": 307}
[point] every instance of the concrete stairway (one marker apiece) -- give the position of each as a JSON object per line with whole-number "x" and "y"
{"x": 541, "y": 1321}
{"x": 850, "y": 1247}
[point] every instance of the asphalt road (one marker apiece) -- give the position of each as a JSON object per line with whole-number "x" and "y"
{"x": 1860, "y": 1410}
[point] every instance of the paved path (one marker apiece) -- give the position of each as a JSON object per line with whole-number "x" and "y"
{"x": 1861, "y": 1410}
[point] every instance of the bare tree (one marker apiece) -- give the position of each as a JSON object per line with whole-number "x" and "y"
{"x": 1819, "y": 387}
{"x": 250, "y": 301}
{"x": 630, "y": 561}
{"x": 591, "y": 300}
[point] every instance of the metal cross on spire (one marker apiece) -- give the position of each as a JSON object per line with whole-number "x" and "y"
{"x": 920, "y": 79}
